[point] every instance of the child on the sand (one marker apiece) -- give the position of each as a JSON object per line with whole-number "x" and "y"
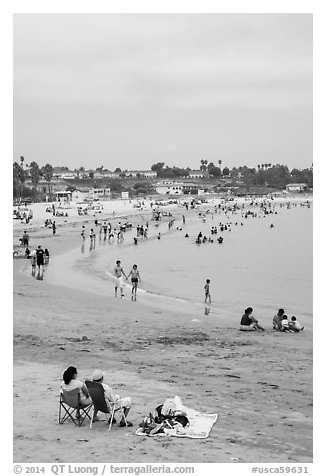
{"x": 285, "y": 324}
{"x": 295, "y": 325}
{"x": 33, "y": 265}
{"x": 135, "y": 279}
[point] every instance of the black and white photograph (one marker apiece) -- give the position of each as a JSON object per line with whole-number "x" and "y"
{"x": 162, "y": 195}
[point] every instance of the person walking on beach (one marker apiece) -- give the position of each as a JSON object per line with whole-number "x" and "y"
{"x": 83, "y": 232}
{"x": 33, "y": 265}
{"x": 135, "y": 279}
{"x": 25, "y": 239}
{"x": 40, "y": 261}
{"x": 54, "y": 227}
{"x": 207, "y": 292}
{"x": 118, "y": 272}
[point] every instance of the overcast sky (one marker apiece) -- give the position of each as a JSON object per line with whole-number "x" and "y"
{"x": 129, "y": 90}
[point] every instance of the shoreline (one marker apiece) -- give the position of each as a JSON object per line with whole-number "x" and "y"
{"x": 259, "y": 384}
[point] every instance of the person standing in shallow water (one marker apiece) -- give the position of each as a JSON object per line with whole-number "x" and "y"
{"x": 135, "y": 279}
{"x": 118, "y": 272}
{"x": 208, "y": 299}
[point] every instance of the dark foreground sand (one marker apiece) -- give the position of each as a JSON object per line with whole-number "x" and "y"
{"x": 260, "y": 384}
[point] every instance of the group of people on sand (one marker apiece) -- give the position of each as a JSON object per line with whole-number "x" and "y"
{"x": 280, "y": 322}
{"x": 39, "y": 258}
{"x": 118, "y": 272}
{"x": 71, "y": 382}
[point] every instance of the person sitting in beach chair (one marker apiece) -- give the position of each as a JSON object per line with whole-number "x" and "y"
{"x": 123, "y": 404}
{"x": 295, "y": 325}
{"x": 70, "y": 382}
{"x": 249, "y": 322}
{"x": 74, "y": 394}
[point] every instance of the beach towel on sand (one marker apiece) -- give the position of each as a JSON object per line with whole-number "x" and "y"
{"x": 200, "y": 425}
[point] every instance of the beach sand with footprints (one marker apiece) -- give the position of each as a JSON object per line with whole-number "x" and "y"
{"x": 163, "y": 345}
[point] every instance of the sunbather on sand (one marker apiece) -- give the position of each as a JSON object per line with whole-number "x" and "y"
{"x": 249, "y": 322}
{"x": 124, "y": 403}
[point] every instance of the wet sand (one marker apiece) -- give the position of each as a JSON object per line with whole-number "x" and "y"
{"x": 260, "y": 384}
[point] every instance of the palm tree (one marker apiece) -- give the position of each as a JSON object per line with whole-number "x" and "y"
{"x": 35, "y": 174}
{"x": 18, "y": 179}
{"x": 47, "y": 172}
{"x": 203, "y": 166}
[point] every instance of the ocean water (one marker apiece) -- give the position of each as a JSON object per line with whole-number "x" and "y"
{"x": 258, "y": 266}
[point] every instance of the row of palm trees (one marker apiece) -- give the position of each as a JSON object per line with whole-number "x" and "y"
{"x": 204, "y": 164}
{"x": 34, "y": 172}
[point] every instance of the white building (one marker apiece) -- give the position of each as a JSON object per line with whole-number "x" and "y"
{"x": 141, "y": 173}
{"x": 68, "y": 176}
{"x": 98, "y": 193}
{"x": 169, "y": 188}
{"x": 80, "y": 195}
{"x": 296, "y": 187}
{"x": 63, "y": 196}
{"x": 197, "y": 174}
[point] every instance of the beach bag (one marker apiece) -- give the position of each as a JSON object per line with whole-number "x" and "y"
{"x": 147, "y": 424}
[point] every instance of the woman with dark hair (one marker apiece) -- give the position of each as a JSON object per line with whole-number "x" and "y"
{"x": 70, "y": 382}
{"x": 249, "y": 322}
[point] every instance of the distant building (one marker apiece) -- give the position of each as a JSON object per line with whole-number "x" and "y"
{"x": 80, "y": 194}
{"x": 191, "y": 188}
{"x": 197, "y": 174}
{"x": 141, "y": 173}
{"x": 98, "y": 193}
{"x": 169, "y": 188}
{"x": 69, "y": 176}
{"x": 63, "y": 196}
{"x": 296, "y": 187}
{"x": 105, "y": 174}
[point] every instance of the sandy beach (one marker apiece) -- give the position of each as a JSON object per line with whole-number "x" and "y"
{"x": 259, "y": 384}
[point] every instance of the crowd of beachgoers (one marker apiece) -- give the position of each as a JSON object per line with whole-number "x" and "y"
{"x": 211, "y": 223}
{"x": 112, "y": 229}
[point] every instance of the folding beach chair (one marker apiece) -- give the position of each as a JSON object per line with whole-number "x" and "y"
{"x": 72, "y": 407}
{"x": 97, "y": 394}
